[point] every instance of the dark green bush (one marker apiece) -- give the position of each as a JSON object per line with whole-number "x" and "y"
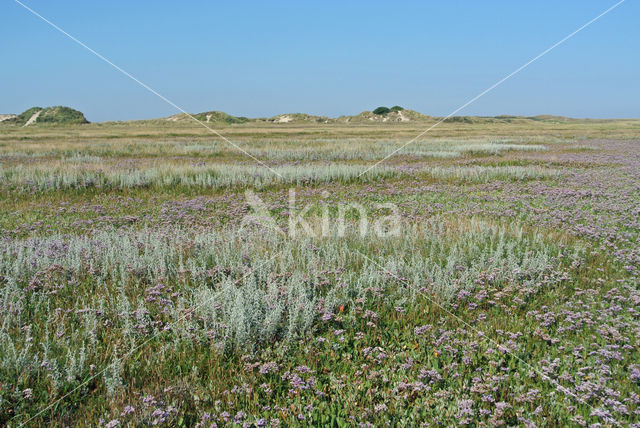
{"x": 382, "y": 110}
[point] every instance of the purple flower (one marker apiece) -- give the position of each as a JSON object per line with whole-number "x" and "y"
{"x": 635, "y": 373}
{"x": 418, "y": 331}
{"x": 269, "y": 367}
{"x": 327, "y": 316}
{"x": 128, "y": 410}
{"x": 239, "y": 417}
{"x": 380, "y": 408}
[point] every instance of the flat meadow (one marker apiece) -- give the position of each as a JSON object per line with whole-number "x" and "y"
{"x": 487, "y": 274}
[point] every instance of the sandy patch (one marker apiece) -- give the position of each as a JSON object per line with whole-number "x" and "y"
{"x": 284, "y": 119}
{"x": 33, "y": 118}
{"x": 4, "y": 117}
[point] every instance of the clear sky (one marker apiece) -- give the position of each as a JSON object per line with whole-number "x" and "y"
{"x": 261, "y": 58}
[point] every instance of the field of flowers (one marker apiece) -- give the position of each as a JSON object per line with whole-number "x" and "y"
{"x": 138, "y": 285}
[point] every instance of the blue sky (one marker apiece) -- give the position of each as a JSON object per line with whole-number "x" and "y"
{"x": 264, "y": 58}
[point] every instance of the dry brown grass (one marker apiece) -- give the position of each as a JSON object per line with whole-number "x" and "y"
{"x": 77, "y": 137}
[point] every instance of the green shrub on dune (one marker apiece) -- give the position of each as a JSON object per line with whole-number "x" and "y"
{"x": 59, "y": 115}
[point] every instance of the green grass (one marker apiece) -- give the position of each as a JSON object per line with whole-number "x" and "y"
{"x": 132, "y": 289}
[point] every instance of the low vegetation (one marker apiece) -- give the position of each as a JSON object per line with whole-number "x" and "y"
{"x": 141, "y": 284}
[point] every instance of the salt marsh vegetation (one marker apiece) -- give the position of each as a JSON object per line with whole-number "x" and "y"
{"x": 132, "y": 291}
